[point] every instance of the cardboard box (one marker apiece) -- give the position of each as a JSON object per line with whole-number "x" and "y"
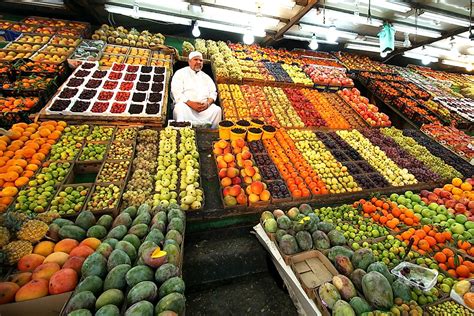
{"x": 50, "y": 305}
{"x": 312, "y": 269}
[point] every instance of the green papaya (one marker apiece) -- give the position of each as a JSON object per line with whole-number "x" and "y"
{"x": 104, "y": 249}
{"x": 325, "y": 227}
{"x": 144, "y": 218}
{"x": 359, "y": 305}
{"x": 95, "y": 264}
{"x": 115, "y": 279}
{"x": 117, "y": 257}
{"x": 339, "y": 250}
{"x": 85, "y": 220}
{"x": 143, "y": 209}
{"x": 401, "y": 290}
{"x": 159, "y": 217}
{"x": 344, "y": 286}
{"x": 320, "y": 240}
{"x": 143, "y": 291}
{"x": 284, "y": 222}
{"x": 131, "y": 210}
{"x": 172, "y": 254}
{"x": 172, "y": 285}
{"x": 382, "y": 268}
{"x": 356, "y": 278}
{"x": 362, "y": 258}
{"x": 171, "y": 242}
{"x": 111, "y": 241}
{"x": 342, "y": 308}
{"x": 288, "y": 245}
{"x": 73, "y": 232}
{"x": 143, "y": 308}
{"x": 110, "y": 297}
{"x": 118, "y": 232}
{"x": 279, "y": 233}
{"x": 63, "y": 222}
{"x": 305, "y": 209}
{"x": 344, "y": 265}
{"x": 160, "y": 225}
{"x": 145, "y": 245}
{"x": 172, "y": 302}
{"x": 336, "y": 238}
{"x": 106, "y": 221}
{"x": 176, "y": 213}
{"x": 97, "y": 231}
{"x": 329, "y": 294}
{"x": 138, "y": 274}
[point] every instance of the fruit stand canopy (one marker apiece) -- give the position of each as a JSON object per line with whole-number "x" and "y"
{"x": 438, "y": 31}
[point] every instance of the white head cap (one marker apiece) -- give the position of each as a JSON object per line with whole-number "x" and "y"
{"x": 195, "y": 54}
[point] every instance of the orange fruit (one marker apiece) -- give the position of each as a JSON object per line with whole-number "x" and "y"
{"x": 466, "y": 187}
{"x": 456, "y": 182}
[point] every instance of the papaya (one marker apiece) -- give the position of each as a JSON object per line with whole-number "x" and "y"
{"x": 123, "y": 219}
{"x": 95, "y": 264}
{"x": 53, "y": 231}
{"x": 172, "y": 285}
{"x": 140, "y": 230}
{"x": 362, "y": 258}
{"x": 356, "y": 278}
{"x": 382, "y": 268}
{"x": 344, "y": 265}
{"x": 279, "y": 233}
{"x": 325, "y": 227}
{"x": 85, "y": 220}
{"x": 171, "y": 242}
{"x": 118, "y": 232}
{"x": 320, "y": 240}
{"x": 377, "y": 290}
{"x": 344, "y": 286}
{"x": 144, "y": 218}
{"x": 138, "y": 274}
{"x": 175, "y": 235}
{"x": 288, "y": 245}
{"x": 131, "y": 210}
{"x": 270, "y": 225}
{"x": 115, "y": 279}
{"x": 176, "y": 213}
{"x": 304, "y": 240}
{"x": 80, "y": 312}
{"x": 160, "y": 225}
{"x": 81, "y": 300}
{"x": 143, "y": 308}
{"x": 106, "y": 221}
{"x": 110, "y": 297}
{"x": 342, "y": 308}
{"x": 359, "y": 305}
{"x": 339, "y": 250}
{"x": 133, "y": 239}
{"x": 172, "y": 254}
{"x": 91, "y": 283}
{"x": 156, "y": 236}
{"x": 143, "y": 291}
{"x": 329, "y": 294}
{"x": 336, "y": 238}
{"x": 143, "y": 209}
{"x": 128, "y": 248}
{"x": 176, "y": 224}
{"x": 111, "y": 241}
{"x": 73, "y": 232}
{"x": 159, "y": 217}
{"x": 401, "y": 290}
{"x": 165, "y": 272}
{"x": 108, "y": 310}
{"x": 116, "y": 258}
{"x": 172, "y": 302}
{"x": 284, "y": 222}
{"x": 97, "y": 231}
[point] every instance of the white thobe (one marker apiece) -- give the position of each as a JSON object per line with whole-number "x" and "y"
{"x": 188, "y": 85}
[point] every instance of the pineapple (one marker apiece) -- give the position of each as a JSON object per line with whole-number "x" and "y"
{"x": 16, "y": 250}
{"x": 32, "y": 230}
{"x": 48, "y": 217}
{"x": 4, "y": 236}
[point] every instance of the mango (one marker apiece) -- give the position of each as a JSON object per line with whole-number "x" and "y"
{"x": 154, "y": 257}
{"x": 81, "y": 300}
{"x": 123, "y": 219}
{"x": 172, "y": 285}
{"x": 20, "y": 278}
{"x": 80, "y": 312}
{"x": 131, "y": 210}
{"x": 304, "y": 240}
{"x": 44, "y": 248}
{"x": 8, "y": 291}
{"x": 29, "y": 262}
{"x": 106, "y": 221}
{"x": 74, "y": 263}
{"x": 138, "y": 274}
{"x": 165, "y": 272}
{"x": 362, "y": 258}
{"x": 82, "y": 251}
{"x": 63, "y": 281}
{"x": 91, "y": 283}
{"x": 32, "y": 290}
{"x": 66, "y": 245}
{"x": 108, "y": 310}
{"x": 85, "y": 220}
{"x": 97, "y": 231}
{"x": 111, "y": 296}
{"x": 58, "y": 257}
{"x": 344, "y": 265}
{"x": 118, "y": 232}
{"x": 377, "y": 290}
{"x": 105, "y": 249}
{"x": 143, "y": 308}
{"x": 128, "y": 248}
{"x": 288, "y": 245}
{"x": 356, "y": 278}
{"x": 115, "y": 279}
{"x": 95, "y": 264}
{"x": 45, "y": 271}
{"x": 91, "y": 242}
{"x": 111, "y": 241}
{"x": 143, "y": 291}
{"x": 174, "y": 234}
{"x": 116, "y": 258}
{"x": 73, "y": 232}
{"x": 172, "y": 302}
{"x": 344, "y": 286}
{"x": 156, "y": 236}
{"x": 133, "y": 239}
{"x": 342, "y": 308}
{"x": 172, "y": 254}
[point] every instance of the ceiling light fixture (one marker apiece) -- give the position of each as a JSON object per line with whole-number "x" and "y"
{"x": 383, "y": 54}
{"x": 444, "y": 18}
{"x": 365, "y": 48}
{"x": 332, "y": 34}
{"x": 248, "y": 37}
{"x": 196, "y": 31}
{"x": 147, "y": 15}
{"x": 313, "y": 43}
{"x": 416, "y": 30}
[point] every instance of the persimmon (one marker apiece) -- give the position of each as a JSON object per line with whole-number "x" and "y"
{"x": 440, "y": 257}
{"x": 465, "y": 245}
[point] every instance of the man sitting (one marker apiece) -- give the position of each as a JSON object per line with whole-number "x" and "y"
{"x": 194, "y": 94}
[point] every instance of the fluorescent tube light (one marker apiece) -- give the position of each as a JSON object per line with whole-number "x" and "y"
{"x": 233, "y": 17}
{"x": 418, "y": 31}
{"x": 455, "y": 63}
{"x": 164, "y": 4}
{"x": 444, "y": 18}
{"x": 366, "y": 48}
{"x": 398, "y": 7}
{"x": 420, "y": 57}
{"x": 323, "y": 30}
{"x": 227, "y": 28}
{"x": 147, "y": 15}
